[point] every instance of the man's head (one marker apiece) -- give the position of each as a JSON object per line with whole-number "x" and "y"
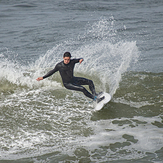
{"x": 66, "y": 57}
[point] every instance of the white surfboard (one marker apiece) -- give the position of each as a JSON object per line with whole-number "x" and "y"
{"x": 100, "y": 105}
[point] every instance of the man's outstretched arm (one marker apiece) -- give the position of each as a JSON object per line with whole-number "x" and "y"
{"x": 48, "y": 74}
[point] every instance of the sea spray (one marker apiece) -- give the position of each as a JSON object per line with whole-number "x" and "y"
{"x": 105, "y": 55}
{"x": 129, "y": 53}
{"x": 14, "y": 75}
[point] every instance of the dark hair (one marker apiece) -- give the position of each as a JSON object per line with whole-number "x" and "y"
{"x": 67, "y": 54}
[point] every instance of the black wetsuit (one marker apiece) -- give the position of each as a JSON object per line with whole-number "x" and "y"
{"x": 69, "y": 81}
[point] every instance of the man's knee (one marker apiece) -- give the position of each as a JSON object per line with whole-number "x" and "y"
{"x": 90, "y": 82}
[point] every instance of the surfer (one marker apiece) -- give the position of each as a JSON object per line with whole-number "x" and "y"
{"x": 66, "y": 70}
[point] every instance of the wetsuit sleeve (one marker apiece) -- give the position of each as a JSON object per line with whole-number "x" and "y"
{"x": 77, "y": 60}
{"x": 51, "y": 72}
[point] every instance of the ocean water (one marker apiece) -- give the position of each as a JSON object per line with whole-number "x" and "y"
{"x": 122, "y": 46}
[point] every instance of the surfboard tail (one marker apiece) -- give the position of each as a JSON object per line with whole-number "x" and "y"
{"x": 106, "y": 99}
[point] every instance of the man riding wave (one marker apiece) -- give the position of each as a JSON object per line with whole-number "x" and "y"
{"x": 66, "y": 70}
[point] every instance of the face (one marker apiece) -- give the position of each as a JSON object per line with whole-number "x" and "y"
{"x": 66, "y": 60}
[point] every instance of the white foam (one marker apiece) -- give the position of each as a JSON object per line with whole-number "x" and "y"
{"x": 20, "y": 76}
{"x": 146, "y": 137}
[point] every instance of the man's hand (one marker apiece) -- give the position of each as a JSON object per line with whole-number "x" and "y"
{"x": 80, "y": 61}
{"x": 40, "y": 78}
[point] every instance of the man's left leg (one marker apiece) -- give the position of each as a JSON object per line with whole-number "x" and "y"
{"x": 84, "y": 81}
{"x": 76, "y": 87}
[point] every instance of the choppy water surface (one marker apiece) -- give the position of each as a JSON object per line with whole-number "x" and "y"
{"x": 121, "y": 43}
